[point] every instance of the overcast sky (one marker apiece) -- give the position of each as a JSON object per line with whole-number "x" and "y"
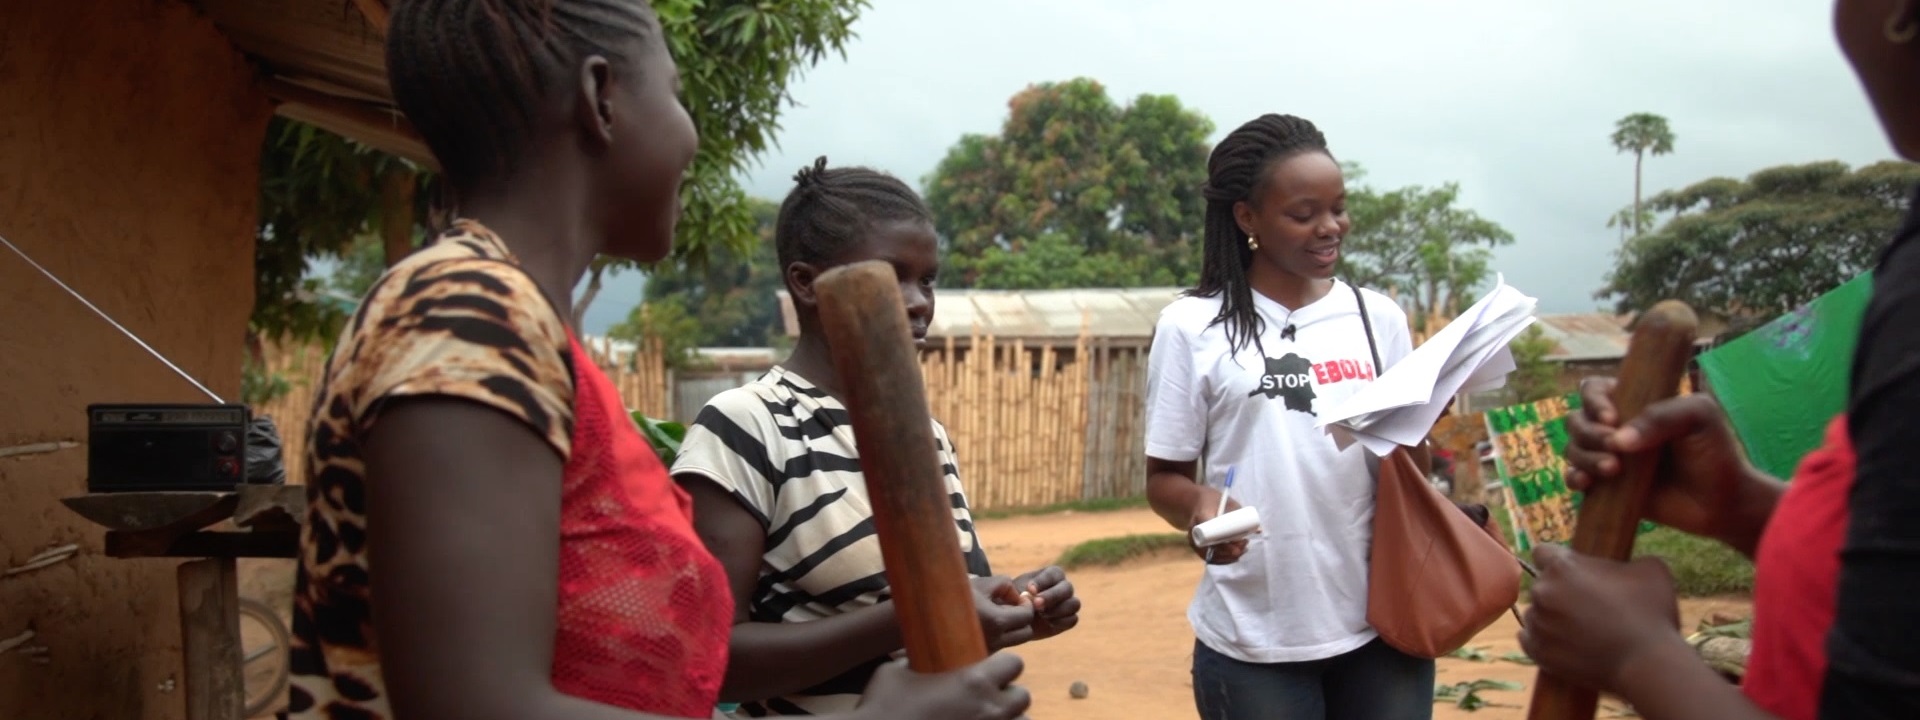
{"x": 1513, "y": 99}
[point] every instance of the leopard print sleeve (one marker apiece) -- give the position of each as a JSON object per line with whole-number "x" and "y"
{"x": 472, "y": 328}
{"x": 457, "y": 318}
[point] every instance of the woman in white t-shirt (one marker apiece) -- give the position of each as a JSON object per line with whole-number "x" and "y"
{"x": 1240, "y": 369}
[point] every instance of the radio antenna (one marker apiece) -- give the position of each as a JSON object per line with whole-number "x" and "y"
{"x": 110, "y": 321}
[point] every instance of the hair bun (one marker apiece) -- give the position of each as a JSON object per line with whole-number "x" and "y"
{"x": 811, "y": 174}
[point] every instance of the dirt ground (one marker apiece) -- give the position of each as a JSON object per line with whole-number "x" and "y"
{"x": 1134, "y": 648}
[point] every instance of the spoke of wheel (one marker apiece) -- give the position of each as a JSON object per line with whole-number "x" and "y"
{"x": 257, "y": 654}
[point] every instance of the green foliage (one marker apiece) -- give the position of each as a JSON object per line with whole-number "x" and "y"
{"x": 1053, "y": 261}
{"x": 1414, "y": 240}
{"x": 320, "y": 191}
{"x": 669, "y": 320}
{"x": 1117, "y": 550}
{"x": 1640, "y": 134}
{"x": 1643, "y": 133}
{"x": 736, "y": 58}
{"x": 1534, "y": 378}
{"x": 259, "y": 386}
{"x": 1466, "y": 695}
{"x": 665, "y": 436}
{"x": 728, "y": 301}
{"x": 1741, "y": 629}
{"x": 360, "y": 264}
{"x": 1751, "y": 250}
{"x": 1471, "y": 654}
{"x": 1104, "y": 195}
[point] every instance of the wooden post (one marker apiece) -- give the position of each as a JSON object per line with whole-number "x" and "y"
{"x": 873, "y": 352}
{"x": 1610, "y": 514}
{"x": 210, "y": 638}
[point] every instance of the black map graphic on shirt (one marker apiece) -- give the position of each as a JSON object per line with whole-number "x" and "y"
{"x": 1289, "y": 378}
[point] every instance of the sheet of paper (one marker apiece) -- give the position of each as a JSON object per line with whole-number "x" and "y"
{"x": 1412, "y": 379}
{"x": 1471, "y": 354}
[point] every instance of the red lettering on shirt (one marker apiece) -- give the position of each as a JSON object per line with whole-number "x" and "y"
{"x": 1337, "y": 371}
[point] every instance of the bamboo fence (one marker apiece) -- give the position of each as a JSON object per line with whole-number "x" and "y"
{"x": 302, "y": 367}
{"x": 1015, "y": 415}
{"x": 1031, "y": 425}
{"x": 641, "y": 377}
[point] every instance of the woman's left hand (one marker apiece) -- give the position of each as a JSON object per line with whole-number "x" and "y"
{"x": 1592, "y": 618}
{"x": 1055, "y": 608}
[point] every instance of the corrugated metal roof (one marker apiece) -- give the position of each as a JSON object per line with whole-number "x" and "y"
{"x": 1115, "y": 313}
{"x": 1130, "y": 313}
{"x": 1586, "y": 336}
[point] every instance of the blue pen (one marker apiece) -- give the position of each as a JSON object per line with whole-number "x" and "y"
{"x": 1224, "y": 489}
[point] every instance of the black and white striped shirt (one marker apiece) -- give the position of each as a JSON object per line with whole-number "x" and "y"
{"x": 784, "y": 449}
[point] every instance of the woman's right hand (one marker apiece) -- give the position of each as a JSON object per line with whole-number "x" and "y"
{"x": 1705, "y": 485}
{"x": 983, "y": 691}
{"x": 1006, "y": 617}
{"x": 1206, "y": 506}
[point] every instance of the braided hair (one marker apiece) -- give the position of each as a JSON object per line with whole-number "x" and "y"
{"x": 830, "y": 211}
{"x": 470, "y": 74}
{"x": 1238, "y": 171}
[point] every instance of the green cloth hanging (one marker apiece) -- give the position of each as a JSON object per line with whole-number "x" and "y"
{"x": 1783, "y": 382}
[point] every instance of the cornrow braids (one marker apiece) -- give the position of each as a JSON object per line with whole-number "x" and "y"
{"x": 1237, "y": 172}
{"x": 830, "y": 210}
{"x": 470, "y": 74}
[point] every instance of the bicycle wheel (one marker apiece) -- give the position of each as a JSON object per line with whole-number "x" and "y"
{"x": 263, "y": 657}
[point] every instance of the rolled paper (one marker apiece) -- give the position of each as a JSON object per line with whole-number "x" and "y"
{"x": 1227, "y": 528}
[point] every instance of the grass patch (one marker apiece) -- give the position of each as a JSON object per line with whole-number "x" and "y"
{"x": 1701, "y": 567}
{"x": 1117, "y": 550}
{"x": 1096, "y": 505}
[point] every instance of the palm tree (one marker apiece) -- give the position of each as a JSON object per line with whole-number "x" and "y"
{"x": 1641, "y": 134}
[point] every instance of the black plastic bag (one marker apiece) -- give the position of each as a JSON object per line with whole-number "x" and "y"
{"x": 265, "y": 466}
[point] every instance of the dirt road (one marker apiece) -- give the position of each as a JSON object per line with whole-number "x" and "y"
{"x": 1134, "y": 647}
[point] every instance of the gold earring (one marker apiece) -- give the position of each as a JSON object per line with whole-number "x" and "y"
{"x": 1253, "y": 242}
{"x": 1901, "y": 27}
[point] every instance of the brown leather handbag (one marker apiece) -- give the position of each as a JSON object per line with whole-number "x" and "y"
{"x": 1434, "y": 578}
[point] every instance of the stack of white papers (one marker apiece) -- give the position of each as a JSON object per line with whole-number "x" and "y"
{"x": 1469, "y": 355}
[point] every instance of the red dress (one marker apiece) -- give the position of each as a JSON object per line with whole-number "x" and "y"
{"x": 644, "y": 610}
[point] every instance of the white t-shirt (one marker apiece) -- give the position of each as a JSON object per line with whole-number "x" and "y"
{"x": 1300, "y": 591}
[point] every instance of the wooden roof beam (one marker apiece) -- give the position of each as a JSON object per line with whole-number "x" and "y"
{"x": 379, "y": 127}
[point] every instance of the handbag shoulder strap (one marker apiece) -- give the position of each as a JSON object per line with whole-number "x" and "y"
{"x": 1367, "y": 322}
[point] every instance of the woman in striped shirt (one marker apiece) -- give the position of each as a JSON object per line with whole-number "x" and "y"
{"x": 778, "y": 493}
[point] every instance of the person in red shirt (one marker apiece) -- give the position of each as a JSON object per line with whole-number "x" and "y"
{"x": 488, "y": 536}
{"x": 1836, "y": 627}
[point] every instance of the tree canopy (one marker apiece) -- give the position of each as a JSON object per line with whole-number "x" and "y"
{"x": 1640, "y": 135}
{"x": 726, "y": 302}
{"x": 319, "y": 192}
{"x": 1534, "y": 377}
{"x": 1075, "y": 191}
{"x": 1749, "y": 250}
{"x": 1416, "y": 242}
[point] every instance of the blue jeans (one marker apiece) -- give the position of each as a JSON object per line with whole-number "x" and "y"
{"x": 1375, "y": 682}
